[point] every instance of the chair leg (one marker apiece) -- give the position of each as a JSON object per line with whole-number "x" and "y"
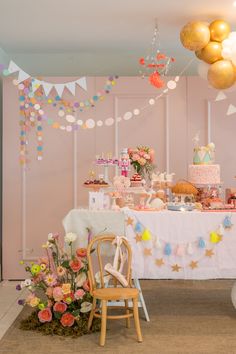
{"x": 104, "y": 323}
{"x": 127, "y": 312}
{"x": 90, "y": 321}
{"x": 136, "y": 320}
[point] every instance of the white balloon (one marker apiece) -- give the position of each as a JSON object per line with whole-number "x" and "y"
{"x": 203, "y": 70}
{"x": 232, "y": 36}
{"x": 226, "y": 53}
{"x": 226, "y": 43}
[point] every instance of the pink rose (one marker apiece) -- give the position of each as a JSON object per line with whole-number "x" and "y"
{"x": 79, "y": 294}
{"x": 146, "y": 156}
{"x": 57, "y": 293}
{"x": 45, "y": 315}
{"x": 76, "y": 265}
{"x": 60, "y": 307}
{"x": 49, "y": 292}
{"x": 67, "y": 319}
{"x": 86, "y": 285}
{"x": 135, "y": 157}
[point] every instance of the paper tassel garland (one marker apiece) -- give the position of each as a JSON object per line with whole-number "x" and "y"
{"x": 190, "y": 249}
{"x": 214, "y": 237}
{"x": 227, "y": 223}
{"x": 167, "y": 249}
{"x": 146, "y": 236}
{"x": 180, "y": 250}
{"x": 201, "y": 243}
{"x": 138, "y": 227}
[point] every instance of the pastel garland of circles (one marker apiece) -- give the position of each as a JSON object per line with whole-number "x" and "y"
{"x": 66, "y": 106}
{"x": 75, "y": 124}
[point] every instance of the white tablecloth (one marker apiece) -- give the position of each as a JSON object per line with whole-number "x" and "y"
{"x": 178, "y": 229}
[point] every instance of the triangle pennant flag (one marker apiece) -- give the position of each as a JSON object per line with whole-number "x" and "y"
{"x": 59, "y": 88}
{"x": 231, "y": 110}
{"x": 22, "y": 76}
{"x": 221, "y": 96}
{"x": 82, "y": 83}
{"x": 12, "y": 68}
{"x": 47, "y": 87}
{"x": 71, "y": 87}
{"x": 35, "y": 85}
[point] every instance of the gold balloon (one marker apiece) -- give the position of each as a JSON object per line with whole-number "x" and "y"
{"x": 219, "y": 30}
{"x": 195, "y": 35}
{"x": 211, "y": 52}
{"x": 221, "y": 74}
{"x": 198, "y": 54}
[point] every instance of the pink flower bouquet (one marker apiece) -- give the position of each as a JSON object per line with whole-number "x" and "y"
{"x": 58, "y": 289}
{"x": 142, "y": 159}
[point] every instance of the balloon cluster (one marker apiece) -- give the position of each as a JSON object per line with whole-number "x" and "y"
{"x": 215, "y": 45}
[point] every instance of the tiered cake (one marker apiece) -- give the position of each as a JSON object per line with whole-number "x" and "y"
{"x": 204, "y": 171}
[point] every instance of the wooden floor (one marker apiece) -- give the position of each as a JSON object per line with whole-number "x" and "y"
{"x": 186, "y": 317}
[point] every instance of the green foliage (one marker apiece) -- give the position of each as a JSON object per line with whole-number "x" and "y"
{"x": 31, "y": 323}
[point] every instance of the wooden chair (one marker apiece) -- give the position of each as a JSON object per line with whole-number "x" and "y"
{"x": 111, "y": 293}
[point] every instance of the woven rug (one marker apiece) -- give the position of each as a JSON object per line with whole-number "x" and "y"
{"x": 186, "y": 317}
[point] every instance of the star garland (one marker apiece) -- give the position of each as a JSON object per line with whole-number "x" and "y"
{"x": 141, "y": 233}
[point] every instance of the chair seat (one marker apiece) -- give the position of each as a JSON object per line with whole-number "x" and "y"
{"x": 115, "y": 293}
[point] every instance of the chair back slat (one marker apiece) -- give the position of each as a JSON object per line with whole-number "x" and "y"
{"x": 96, "y": 245}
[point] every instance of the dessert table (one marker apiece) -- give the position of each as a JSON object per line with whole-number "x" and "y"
{"x": 166, "y": 244}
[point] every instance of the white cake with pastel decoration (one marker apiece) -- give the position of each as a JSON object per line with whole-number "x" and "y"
{"x": 203, "y": 171}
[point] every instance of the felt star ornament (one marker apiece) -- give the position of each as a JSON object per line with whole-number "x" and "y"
{"x": 147, "y": 251}
{"x": 175, "y": 268}
{"x": 193, "y": 264}
{"x": 138, "y": 238}
{"x": 209, "y": 253}
{"x": 159, "y": 262}
{"x": 129, "y": 221}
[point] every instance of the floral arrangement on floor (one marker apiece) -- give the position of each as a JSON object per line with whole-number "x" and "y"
{"x": 58, "y": 289}
{"x": 142, "y": 160}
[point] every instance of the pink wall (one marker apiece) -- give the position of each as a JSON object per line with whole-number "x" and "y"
{"x": 49, "y": 186}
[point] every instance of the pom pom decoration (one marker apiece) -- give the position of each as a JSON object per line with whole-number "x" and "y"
{"x": 167, "y": 249}
{"x": 156, "y": 80}
{"x": 201, "y": 243}
{"x": 155, "y": 64}
{"x": 146, "y": 235}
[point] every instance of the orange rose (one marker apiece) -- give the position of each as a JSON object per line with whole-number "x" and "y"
{"x": 67, "y": 319}
{"x": 60, "y": 307}
{"x": 45, "y": 315}
{"x": 81, "y": 252}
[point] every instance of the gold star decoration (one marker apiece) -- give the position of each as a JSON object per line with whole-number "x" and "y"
{"x": 159, "y": 262}
{"x": 209, "y": 253}
{"x": 147, "y": 251}
{"x": 175, "y": 268}
{"x": 193, "y": 264}
{"x": 220, "y": 238}
{"x": 138, "y": 238}
{"x": 129, "y": 221}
